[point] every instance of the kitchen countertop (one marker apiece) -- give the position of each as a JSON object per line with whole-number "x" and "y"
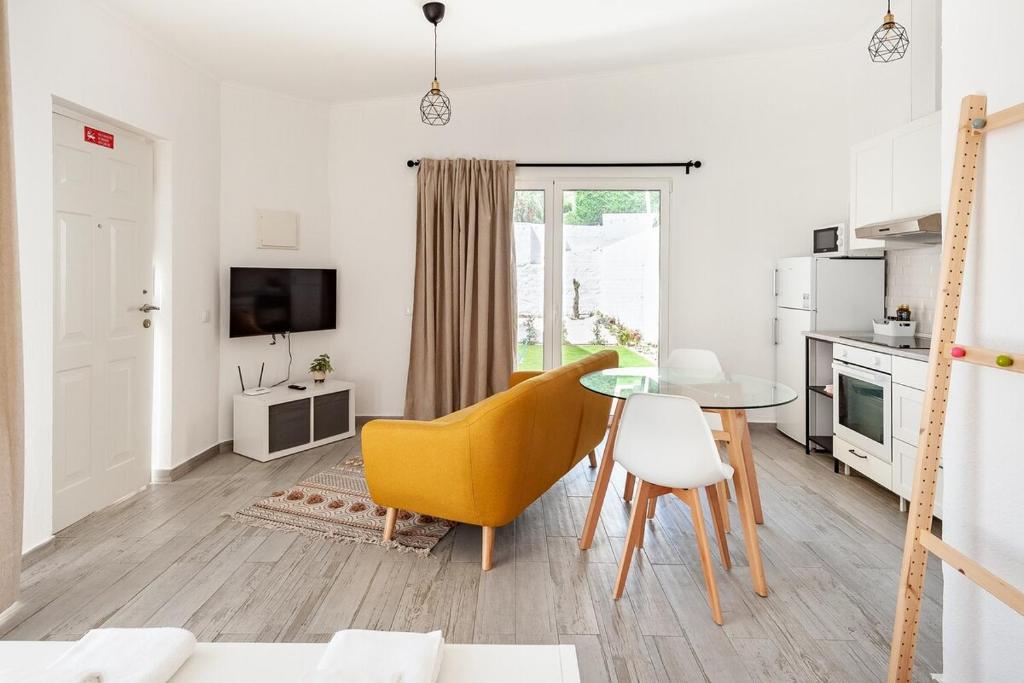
{"x": 837, "y": 338}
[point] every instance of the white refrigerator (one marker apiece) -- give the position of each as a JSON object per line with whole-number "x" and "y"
{"x": 823, "y": 294}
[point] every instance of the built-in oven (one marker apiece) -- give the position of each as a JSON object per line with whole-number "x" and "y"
{"x": 861, "y": 408}
{"x": 831, "y": 241}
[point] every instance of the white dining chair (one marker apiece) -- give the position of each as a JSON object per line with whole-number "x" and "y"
{"x": 665, "y": 442}
{"x": 700, "y": 363}
{"x": 697, "y": 362}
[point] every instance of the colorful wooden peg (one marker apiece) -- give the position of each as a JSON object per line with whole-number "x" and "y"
{"x": 1004, "y": 361}
{"x": 958, "y": 352}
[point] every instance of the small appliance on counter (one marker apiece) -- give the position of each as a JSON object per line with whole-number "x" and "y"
{"x": 831, "y": 241}
{"x": 895, "y": 328}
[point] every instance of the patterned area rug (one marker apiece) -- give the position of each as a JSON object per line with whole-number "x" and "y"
{"x": 336, "y": 505}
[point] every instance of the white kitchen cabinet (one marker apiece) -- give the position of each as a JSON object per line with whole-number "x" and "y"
{"x": 904, "y": 458}
{"x": 894, "y": 176}
{"x": 907, "y": 405}
{"x": 916, "y": 189}
{"x": 871, "y": 188}
{"x": 873, "y": 167}
{"x": 909, "y": 372}
{"x": 873, "y": 468}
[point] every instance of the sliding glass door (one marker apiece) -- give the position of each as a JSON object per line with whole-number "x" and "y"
{"x": 530, "y": 216}
{"x": 590, "y": 267}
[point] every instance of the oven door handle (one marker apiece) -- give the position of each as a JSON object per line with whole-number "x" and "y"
{"x": 865, "y": 375}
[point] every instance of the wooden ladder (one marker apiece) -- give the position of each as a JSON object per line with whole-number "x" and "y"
{"x": 974, "y": 124}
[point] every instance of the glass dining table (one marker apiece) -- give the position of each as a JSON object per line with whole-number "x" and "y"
{"x": 727, "y": 395}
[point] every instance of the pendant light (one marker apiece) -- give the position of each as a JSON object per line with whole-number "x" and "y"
{"x": 435, "y": 107}
{"x": 890, "y": 40}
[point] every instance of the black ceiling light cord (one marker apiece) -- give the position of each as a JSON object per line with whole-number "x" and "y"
{"x": 435, "y": 107}
{"x": 890, "y": 41}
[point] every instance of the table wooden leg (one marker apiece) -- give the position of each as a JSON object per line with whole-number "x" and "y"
{"x": 748, "y": 457}
{"x": 733, "y": 423}
{"x": 604, "y": 474}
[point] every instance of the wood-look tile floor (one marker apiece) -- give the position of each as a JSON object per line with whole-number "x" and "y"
{"x": 832, "y": 547}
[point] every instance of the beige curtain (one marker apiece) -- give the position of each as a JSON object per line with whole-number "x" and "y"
{"x": 11, "y": 436}
{"x": 464, "y": 321}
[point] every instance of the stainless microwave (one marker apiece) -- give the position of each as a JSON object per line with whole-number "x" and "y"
{"x": 831, "y": 241}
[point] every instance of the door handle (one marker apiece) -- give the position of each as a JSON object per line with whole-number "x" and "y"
{"x": 862, "y": 457}
{"x": 867, "y": 375}
{"x": 775, "y": 281}
{"x": 775, "y": 331}
{"x": 146, "y": 308}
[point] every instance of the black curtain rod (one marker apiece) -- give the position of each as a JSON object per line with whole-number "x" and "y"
{"x": 642, "y": 164}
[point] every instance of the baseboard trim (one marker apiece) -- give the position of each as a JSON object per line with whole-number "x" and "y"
{"x": 167, "y": 476}
{"x": 33, "y": 555}
{"x": 175, "y": 473}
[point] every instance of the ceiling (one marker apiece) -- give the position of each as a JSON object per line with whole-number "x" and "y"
{"x": 337, "y": 50}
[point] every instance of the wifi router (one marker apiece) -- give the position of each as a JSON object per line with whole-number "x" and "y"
{"x": 258, "y": 390}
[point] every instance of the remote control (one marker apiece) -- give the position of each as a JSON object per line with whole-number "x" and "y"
{"x": 297, "y": 386}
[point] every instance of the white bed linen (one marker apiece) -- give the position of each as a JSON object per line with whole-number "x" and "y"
{"x": 276, "y": 662}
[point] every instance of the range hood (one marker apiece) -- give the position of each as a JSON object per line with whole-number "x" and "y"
{"x": 919, "y": 230}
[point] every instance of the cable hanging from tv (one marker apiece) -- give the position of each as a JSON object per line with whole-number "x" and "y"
{"x": 412, "y": 163}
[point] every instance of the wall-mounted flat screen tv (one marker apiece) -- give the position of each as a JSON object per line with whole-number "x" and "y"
{"x": 279, "y": 300}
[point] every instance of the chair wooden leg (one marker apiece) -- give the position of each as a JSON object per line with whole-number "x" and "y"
{"x": 642, "y": 504}
{"x": 636, "y": 527}
{"x": 717, "y": 519}
{"x": 389, "y": 523}
{"x": 691, "y": 498}
{"x": 652, "y": 507}
{"x": 723, "y": 502}
{"x": 627, "y": 490}
{"x": 488, "y": 548}
{"x": 593, "y": 459}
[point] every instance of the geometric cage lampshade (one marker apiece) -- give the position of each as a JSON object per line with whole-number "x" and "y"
{"x": 889, "y": 41}
{"x": 435, "y": 107}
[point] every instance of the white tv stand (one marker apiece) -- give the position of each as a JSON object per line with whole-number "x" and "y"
{"x": 285, "y": 421}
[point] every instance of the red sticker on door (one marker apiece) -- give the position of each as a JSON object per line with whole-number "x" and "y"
{"x": 98, "y": 137}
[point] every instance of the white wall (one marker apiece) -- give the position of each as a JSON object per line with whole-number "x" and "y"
{"x": 982, "y": 452}
{"x": 72, "y": 49}
{"x": 883, "y": 96}
{"x": 273, "y": 156}
{"x": 771, "y": 130}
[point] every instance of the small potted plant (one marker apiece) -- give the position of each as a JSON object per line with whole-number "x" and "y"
{"x": 320, "y": 366}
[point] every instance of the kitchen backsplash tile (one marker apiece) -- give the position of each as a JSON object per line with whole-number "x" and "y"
{"x": 912, "y": 277}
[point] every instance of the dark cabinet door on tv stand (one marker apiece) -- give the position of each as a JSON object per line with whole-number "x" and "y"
{"x": 330, "y": 415}
{"x": 288, "y": 425}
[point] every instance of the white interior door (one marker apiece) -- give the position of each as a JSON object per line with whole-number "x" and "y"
{"x": 103, "y": 347}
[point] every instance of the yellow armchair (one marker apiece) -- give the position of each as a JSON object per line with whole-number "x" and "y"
{"x": 485, "y": 464}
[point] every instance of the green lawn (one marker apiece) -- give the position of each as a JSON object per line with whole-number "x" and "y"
{"x": 530, "y": 356}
